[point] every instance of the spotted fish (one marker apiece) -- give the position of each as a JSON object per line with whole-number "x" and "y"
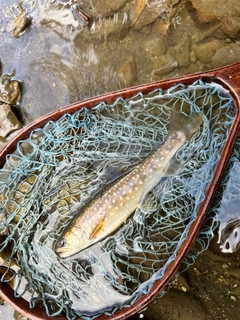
{"x": 108, "y": 211}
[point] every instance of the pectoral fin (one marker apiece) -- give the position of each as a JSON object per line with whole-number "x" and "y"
{"x": 96, "y": 231}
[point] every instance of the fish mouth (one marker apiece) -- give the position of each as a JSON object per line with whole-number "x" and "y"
{"x": 64, "y": 252}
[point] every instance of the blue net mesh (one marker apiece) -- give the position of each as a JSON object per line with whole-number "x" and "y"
{"x": 64, "y": 165}
{"x": 226, "y": 206}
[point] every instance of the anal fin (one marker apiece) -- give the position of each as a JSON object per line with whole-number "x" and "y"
{"x": 174, "y": 168}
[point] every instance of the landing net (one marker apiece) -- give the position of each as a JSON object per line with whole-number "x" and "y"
{"x": 60, "y": 167}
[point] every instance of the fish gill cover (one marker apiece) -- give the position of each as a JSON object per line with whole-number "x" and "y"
{"x": 56, "y": 172}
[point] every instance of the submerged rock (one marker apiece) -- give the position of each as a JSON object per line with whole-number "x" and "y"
{"x": 182, "y": 52}
{"x": 226, "y": 55}
{"x": 8, "y": 121}
{"x": 116, "y": 5}
{"x": 127, "y": 72}
{"x": 205, "y": 51}
{"x": 215, "y": 10}
{"x": 101, "y": 10}
{"x": 155, "y": 47}
{"x": 164, "y": 65}
{"x": 231, "y": 26}
{"x": 146, "y": 12}
{"x": 143, "y": 15}
{"x": 110, "y": 28}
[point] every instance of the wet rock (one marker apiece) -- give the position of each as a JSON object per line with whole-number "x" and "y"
{"x": 231, "y": 26}
{"x": 116, "y": 5}
{"x": 10, "y": 91}
{"x": 155, "y": 47}
{"x": 146, "y": 12}
{"x": 21, "y": 22}
{"x": 215, "y": 10}
{"x": 127, "y": 73}
{"x": 8, "y": 121}
{"x": 164, "y": 65}
{"x": 226, "y": 55}
{"x": 143, "y": 18}
{"x": 205, "y": 51}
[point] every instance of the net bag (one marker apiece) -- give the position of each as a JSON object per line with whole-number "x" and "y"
{"x": 54, "y": 173}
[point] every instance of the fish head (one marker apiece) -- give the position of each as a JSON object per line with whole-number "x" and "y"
{"x": 72, "y": 242}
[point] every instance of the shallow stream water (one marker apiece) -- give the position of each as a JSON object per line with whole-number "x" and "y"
{"x": 65, "y": 51}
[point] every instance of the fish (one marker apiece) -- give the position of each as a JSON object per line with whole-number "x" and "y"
{"x": 108, "y": 211}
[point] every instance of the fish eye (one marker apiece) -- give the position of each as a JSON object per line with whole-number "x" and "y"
{"x": 62, "y": 243}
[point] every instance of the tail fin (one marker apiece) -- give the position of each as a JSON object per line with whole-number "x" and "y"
{"x": 188, "y": 123}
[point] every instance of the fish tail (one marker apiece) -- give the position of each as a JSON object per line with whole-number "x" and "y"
{"x": 186, "y": 122}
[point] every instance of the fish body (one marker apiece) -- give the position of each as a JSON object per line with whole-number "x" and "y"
{"x": 108, "y": 211}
